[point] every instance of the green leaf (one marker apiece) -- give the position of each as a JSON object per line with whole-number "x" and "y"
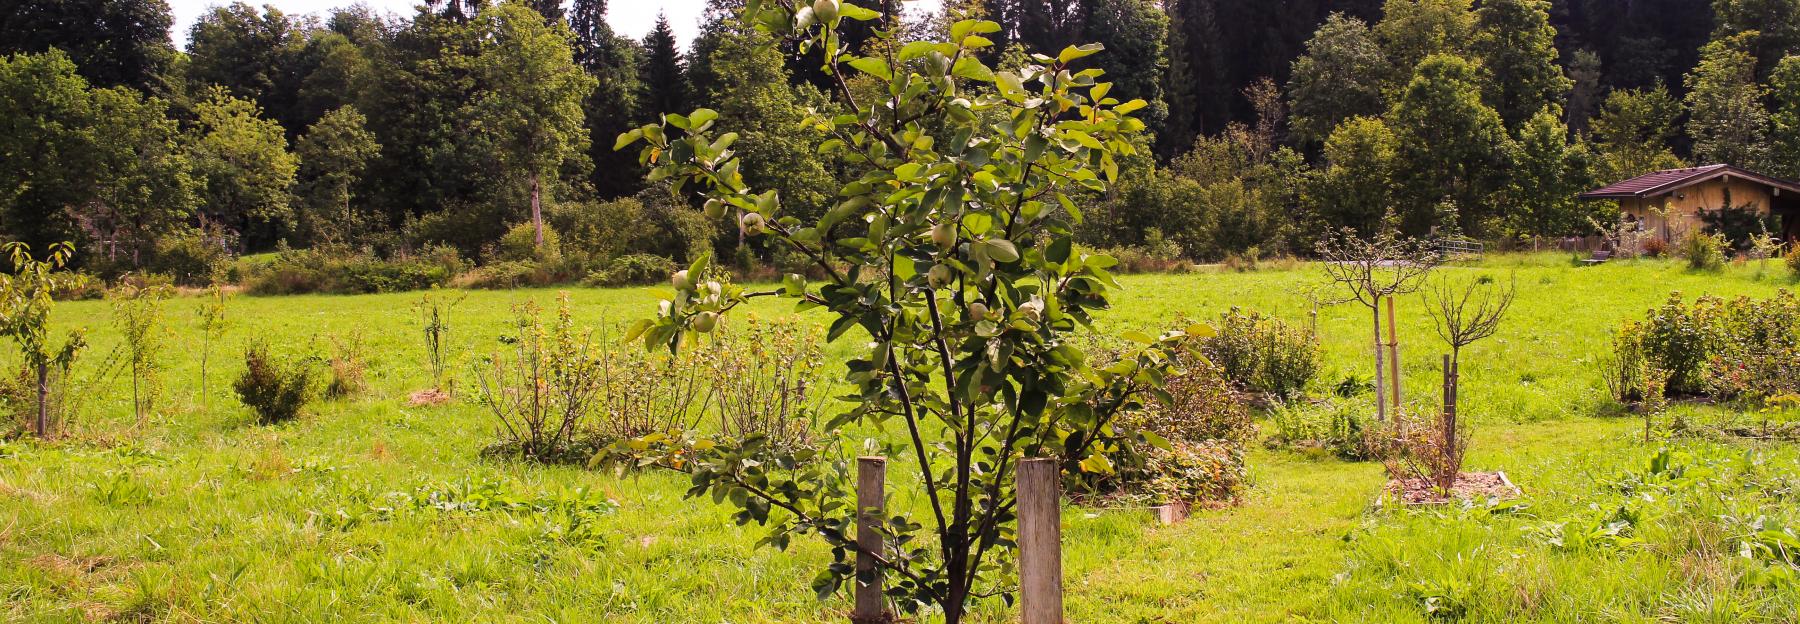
{"x": 1009, "y": 82}
{"x": 628, "y": 138}
{"x": 1001, "y": 250}
{"x": 1074, "y": 52}
{"x": 702, "y": 117}
{"x": 971, "y": 68}
{"x": 1138, "y": 337}
{"x": 1097, "y": 464}
{"x": 857, "y": 13}
{"x": 874, "y": 67}
{"x": 1128, "y": 107}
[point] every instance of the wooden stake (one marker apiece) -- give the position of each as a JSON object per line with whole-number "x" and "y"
{"x": 1393, "y": 353}
{"x": 1040, "y": 542}
{"x": 871, "y": 479}
{"x": 1380, "y": 384}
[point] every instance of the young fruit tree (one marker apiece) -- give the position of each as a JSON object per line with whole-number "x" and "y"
{"x": 25, "y": 302}
{"x": 951, "y": 255}
{"x": 1370, "y": 270}
{"x": 1463, "y": 313}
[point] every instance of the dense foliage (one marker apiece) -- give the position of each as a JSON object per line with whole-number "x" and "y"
{"x": 1268, "y": 123}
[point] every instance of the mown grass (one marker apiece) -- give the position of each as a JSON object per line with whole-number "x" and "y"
{"x": 369, "y": 510}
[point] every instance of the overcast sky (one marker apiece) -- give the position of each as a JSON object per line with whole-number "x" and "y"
{"x": 632, "y": 18}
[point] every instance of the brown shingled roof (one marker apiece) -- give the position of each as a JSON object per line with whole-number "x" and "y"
{"x": 1660, "y": 182}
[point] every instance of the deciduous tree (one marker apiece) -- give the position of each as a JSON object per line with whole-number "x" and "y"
{"x": 1517, "y": 49}
{"x": 1632, "y": 134}
{"x": 244, "y": 167}
{"x": 333, "y": 155}
{"x": 1726, "y": 117}
{"x": 1343, "y": 75}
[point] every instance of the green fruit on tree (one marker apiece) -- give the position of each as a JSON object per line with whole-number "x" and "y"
{"x": 680, "y": 280}
{"x": 705, "y": 321}
{"x": 825, "y": 10}
{"x": 944, "y": 235}
{"x": 714, "y": 209}
{"x": 978, "y": 311}
{"x": 751, "y": 222}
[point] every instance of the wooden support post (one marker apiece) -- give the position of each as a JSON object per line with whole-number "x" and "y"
{"x": 1380, "y": 383}
{"x": 1171, "y": 513}
{"x": 1393, "y": 354}
{"x": 871, "y": 479}
{"x": 1040, "y": 542}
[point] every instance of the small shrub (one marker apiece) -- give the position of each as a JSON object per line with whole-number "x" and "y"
{"x": 137, "y": 309}
{"x": 348, "y": 367}
{"x": 1263, "y": 354}
{"x": 765, "y": 375}
{"x": 1703, "y": 252}
{"x": 1194, "y": 450}
{"x": 192, "y": 257}
{"x": 277, "y": 391}
{"x": 1416, "y": 444}
{"x": 520, "y": 245}
{"x": 509, "y": 274}
{"x": 1340, "y": 428}
{"x": 1793, "y": 262}
{"x": 1738, "y": 348}
{"x": 78, "y": 286}
{"x": 1655, "y": 247}
{"x": 632, "y": 270}
{"x": 543, "y": 392}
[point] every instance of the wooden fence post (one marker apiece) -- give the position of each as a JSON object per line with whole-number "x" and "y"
{"x": 1040, "y": 542}
{"x": 871, "y": 480}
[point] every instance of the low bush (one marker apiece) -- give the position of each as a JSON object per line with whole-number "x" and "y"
{"x": 510, "y": 274}
{"x": 192, "y": 258}
{"x": 765, "y": 376}
{"x": 77, "y": 286}
{"x": 1740, "y": 348}
{"x": 520, "y": 245}
{"x": 543, "y": 389}
{"x": 1703, "y": 252}
{"x": 632, "y": 270}
{"x": 1793, "y": 262}
{"x": 1191, "y": 448}
{"x": 340, "y": 271}
{"x": 1339, "y": 427}
{"x": 277, "y": 391}
{"x": 1263, "y": 354}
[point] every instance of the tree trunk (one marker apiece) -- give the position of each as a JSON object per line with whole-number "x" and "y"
{"x": 537, "y": 213}
{"x": 1380, "y": 389}
{"x": 43, "y": 400}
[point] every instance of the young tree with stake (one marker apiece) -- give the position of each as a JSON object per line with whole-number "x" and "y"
{"x": 1463, "y": 313}
{"x": 1371, "y": 270}
{"x": 951, "y": 254}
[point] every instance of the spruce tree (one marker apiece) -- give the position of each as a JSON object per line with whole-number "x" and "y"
{"x": 665, "y": 82}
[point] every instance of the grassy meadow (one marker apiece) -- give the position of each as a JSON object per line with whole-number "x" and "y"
{"x": 368, "y": 510}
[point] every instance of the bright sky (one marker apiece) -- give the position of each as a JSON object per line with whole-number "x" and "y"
{"x": 632, "y": 18}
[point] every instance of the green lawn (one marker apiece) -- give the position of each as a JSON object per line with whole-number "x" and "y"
{"x": 349, "y": 513}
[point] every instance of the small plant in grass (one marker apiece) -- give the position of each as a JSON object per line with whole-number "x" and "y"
{"x": 25, "y": 303}
{"x": 138, "y": 312}
{"x": 212, "y": 327}
{"x": 1185, "y": 446}
{"x": 545, "y": 387}
{"x": 434, "y": 318}
{"x": 1793, "y": 262}
{"x": 348, "y": 364}
{"x": 1703, "y": 252}
{"x": 950, "y": 250}
{"x": 276, "y": 390}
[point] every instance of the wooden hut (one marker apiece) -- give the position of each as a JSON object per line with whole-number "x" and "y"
{"x": 1672, "y": 202}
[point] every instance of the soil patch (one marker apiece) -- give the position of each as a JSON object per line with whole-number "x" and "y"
{"x": 1468, "y": 485}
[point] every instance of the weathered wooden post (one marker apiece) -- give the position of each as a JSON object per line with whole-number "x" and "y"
{"x": 871, "y": 481}
{"x": 1393, "y": 353}
{"x": 1380, "y": 379}
{"x": 1450, "y": 403}
{"x": 1040, "y": 542}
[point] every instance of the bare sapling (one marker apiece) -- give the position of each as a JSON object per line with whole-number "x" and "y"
{"x": 1462, "y": 313}
{"x": 212, "y": 327}
{"x": 1367, "y": 271}
{"x": 137, "y": 310}
{"x": 434, "y": 318}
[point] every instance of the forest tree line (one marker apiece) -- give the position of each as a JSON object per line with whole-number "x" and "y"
{"x": 488, "y": 128}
